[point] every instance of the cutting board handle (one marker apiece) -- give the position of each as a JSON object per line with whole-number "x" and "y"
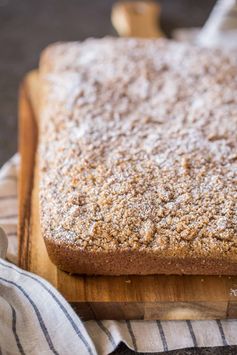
{"x": 137, "y": 19}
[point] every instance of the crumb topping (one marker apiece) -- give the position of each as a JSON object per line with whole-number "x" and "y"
{"x": 138, "y": 147}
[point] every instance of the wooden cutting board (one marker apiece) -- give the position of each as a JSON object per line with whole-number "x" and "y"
{"x": 106, "y": 297}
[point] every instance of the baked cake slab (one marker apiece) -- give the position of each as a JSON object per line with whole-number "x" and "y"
{"x": 138, "y": 157}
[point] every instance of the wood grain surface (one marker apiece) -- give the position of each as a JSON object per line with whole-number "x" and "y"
{"x": 137, "y": 19}
{"x": 107, "y": 297}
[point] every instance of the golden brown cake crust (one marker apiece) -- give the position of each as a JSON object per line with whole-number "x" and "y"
{"x": 138, "y": 157}
{"x": 134, "y": 262}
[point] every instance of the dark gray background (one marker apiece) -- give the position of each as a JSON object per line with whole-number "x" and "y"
{"x": 27, "y": 26}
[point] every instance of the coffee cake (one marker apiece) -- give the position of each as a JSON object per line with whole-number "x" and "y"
{"x": 138, "y": 157}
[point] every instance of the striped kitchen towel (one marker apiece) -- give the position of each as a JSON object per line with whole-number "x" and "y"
{"x": 36, "y": 319}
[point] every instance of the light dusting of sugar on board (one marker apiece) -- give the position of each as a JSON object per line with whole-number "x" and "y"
{"x": 138, "y": 147}
{"x": 233, "y": 292}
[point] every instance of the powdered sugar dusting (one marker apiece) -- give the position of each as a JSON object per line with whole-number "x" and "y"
{"x": 138, "y": 147}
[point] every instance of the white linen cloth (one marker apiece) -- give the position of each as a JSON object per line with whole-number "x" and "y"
{"x": 36, "y": 319}
{"x": 220, "y": 29}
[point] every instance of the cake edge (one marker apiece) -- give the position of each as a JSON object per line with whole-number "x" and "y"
{"x": 133, "y": 262}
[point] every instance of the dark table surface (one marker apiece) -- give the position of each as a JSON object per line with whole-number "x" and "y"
{"x": 27, "y": 26}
